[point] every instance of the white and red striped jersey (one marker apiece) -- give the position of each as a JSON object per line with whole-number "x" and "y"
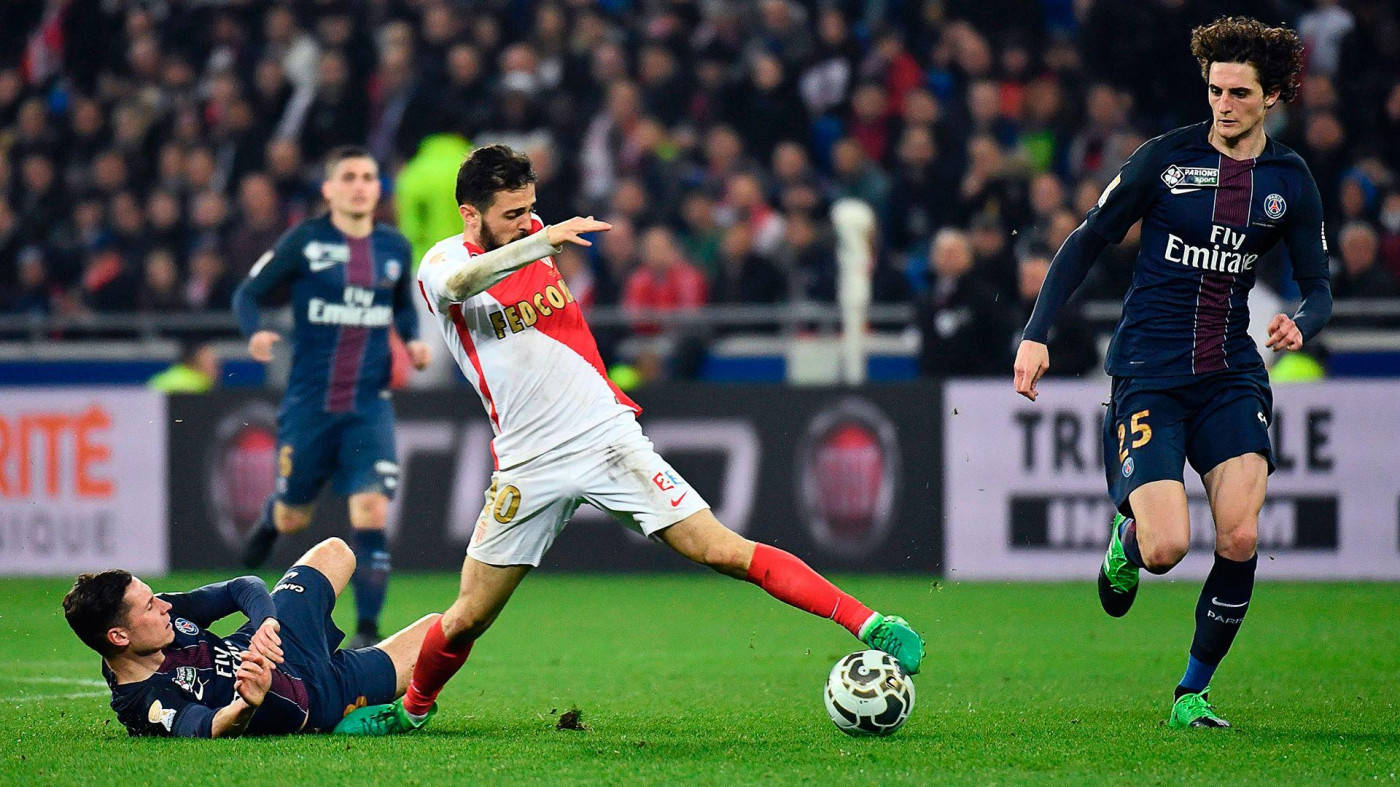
{"x": 525, "y": 347}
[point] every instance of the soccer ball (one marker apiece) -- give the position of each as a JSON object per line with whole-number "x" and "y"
{"x": 868, "y": 693}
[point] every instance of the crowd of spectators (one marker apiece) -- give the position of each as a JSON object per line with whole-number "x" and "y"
{"x": 151, "y": 151}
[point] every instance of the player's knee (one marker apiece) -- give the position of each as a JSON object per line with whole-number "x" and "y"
{"x": 728, "y": 556}
{"x": 290, "y": 520}
{"x": 1162, "y": 556}
{"x": 336, "y": 549}
{"x": 1239, "y": 542}
{"x": 369, "y": 512}
{"x": 462, "y": 623}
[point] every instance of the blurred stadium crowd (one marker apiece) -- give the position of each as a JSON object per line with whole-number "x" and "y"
{"x": 150, "y": 152}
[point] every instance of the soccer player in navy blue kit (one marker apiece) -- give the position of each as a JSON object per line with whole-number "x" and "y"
{"x": 350, "y": 280}
{"x": 278, "y": 673}
{"x": 1188, "y": 381}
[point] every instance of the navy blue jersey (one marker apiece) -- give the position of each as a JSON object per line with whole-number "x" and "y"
{"x": 196, "y": 678}
{"x": 345, "y": 294}
{"x": 1207, "y": 219}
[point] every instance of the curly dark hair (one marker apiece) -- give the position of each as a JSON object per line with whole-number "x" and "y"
{"x": 491, "y": 169}
{"x": 96, "y": 603}
{"x": 1275, "y": 52}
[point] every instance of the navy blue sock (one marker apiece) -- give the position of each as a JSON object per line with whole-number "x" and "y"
{"x": 265, "y": 520}
{"x": 1219, "y": 612}
{"x": 1127, "y": 533}
{"x": 371, "y": 577}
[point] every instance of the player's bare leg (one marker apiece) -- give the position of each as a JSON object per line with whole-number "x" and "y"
{"x": 369, "y": 513}
{"x": 1163, "y": 524}
{"x": 289, "y": 519}
{"x": 482, "y": 595}
{"x": 277, "y": 518}
{"x": 1155, "y": 538}
{"x": 702, "y": 538}
{"x": 333, "y": 559}
{"x": 402, "y": 648}
{"x": 1236, "y": 489}
{"x": 446, "y": 643}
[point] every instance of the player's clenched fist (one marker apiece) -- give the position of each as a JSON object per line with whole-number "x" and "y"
{"x": 1032, "y": 361}
{"x": 419, "y": 354}
{"x": 260, "y": 345}
{"x": 253, "y": 678}
{"x": 1284, "y": 334}
{"x": 266, "y": 641}
{"x": 569, "y": 231}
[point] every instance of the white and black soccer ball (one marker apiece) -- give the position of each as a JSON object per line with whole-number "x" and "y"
{"x": 868, "y": 693}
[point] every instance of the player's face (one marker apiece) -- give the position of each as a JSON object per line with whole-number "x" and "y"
{"x": 1237, "y": 100}
{"x": 508, "y": 217}
{"x": 147, "y": 626}
{"x": 353, "y": 187}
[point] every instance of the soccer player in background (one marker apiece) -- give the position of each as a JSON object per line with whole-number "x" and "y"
{"x": 350, "y": 280}
{"x": 278, "y": 673}
{"x": 1188, "y": 382}
{"x": 565, "y": 434}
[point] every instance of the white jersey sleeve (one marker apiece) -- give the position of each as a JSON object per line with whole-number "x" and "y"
{"x": 522, "y": 342}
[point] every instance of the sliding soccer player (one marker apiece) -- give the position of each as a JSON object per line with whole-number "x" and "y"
{"x": 565, "y": 434}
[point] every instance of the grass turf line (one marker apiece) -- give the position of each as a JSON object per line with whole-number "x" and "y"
{"x": 692, "y": 677}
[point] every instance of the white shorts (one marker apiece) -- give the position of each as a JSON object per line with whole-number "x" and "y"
{"x": 615, "y": 469}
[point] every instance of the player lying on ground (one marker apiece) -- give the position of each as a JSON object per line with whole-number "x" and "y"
{"x": 278, "y": 673}
{"x": 1188, "y": 382}
{"x": 565, "y": 435}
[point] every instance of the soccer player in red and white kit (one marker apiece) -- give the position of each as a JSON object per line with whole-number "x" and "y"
{"x": 565, "y": 435}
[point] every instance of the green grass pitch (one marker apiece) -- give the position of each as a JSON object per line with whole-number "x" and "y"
{"x": 693, "y": 677}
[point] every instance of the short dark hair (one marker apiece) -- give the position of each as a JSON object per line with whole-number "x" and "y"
{"x": 491, "y": 169}
{"x": 1275, "y": 52}
{"x": 96, "y": 603}
{"x": 343, "y": 152}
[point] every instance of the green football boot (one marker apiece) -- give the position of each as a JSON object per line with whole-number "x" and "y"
{"x": 378, "y": 720}
{"x": 1118, "y": 578}
{"x": 1194, "y": 710}
{"x": 893, "y": 635}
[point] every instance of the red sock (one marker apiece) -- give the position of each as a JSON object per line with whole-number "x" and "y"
{"x": 788, "y": 579}
{"x": 438, "y": 661}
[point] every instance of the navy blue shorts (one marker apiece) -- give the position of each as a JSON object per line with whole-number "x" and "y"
{"x": 354, "y": 451}
{"x": 337, "y": 681}
{"x": 1155, "y": 426}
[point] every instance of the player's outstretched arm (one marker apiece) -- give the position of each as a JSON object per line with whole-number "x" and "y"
{"x": 1067, "y": 271}
{"x": 272, "y": 269}
{"x": 1307, "y": 250}
{"x": 406, "y": 321}
{"x": 458, "y": 275}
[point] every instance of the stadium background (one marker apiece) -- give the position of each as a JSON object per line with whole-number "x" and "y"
{"x": 150, "y": 152}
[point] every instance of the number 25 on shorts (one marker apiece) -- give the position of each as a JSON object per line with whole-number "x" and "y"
{"x": 1142, "y": 433}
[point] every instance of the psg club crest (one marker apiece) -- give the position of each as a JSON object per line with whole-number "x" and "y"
{"x": 848, "y": 475}
{"x": 241, "y": 467}
{"x": 1274, "y": 206}
{"x": 186, "y": 627}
